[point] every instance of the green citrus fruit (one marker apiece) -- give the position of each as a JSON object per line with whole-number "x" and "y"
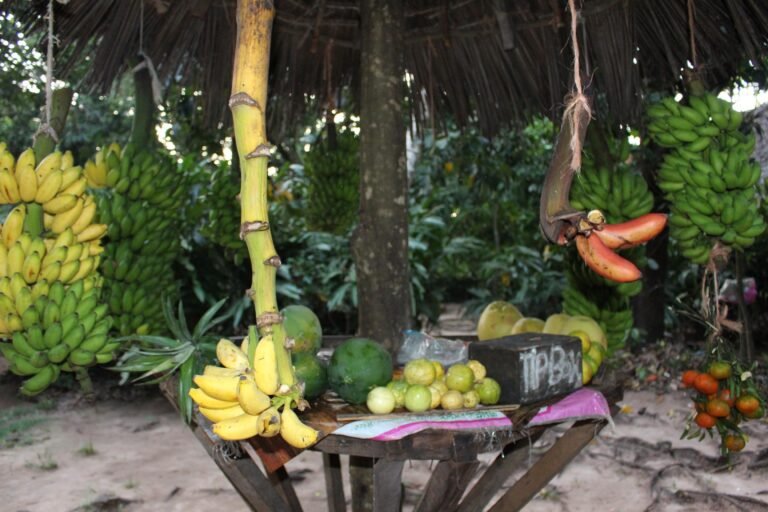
{"x": 419, "y": 371}
{"x": 489, "y": 391}
{"x": 380, "y": 400}
{"x": 460, "y": 377}
{"x": 418, "y": 398}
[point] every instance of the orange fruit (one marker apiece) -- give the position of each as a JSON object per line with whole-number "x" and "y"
{"x": 720, "y": 370}
{"x": 705, "y": 384}
{"x": 734, "y": 443}
{"x": 747, "y": 404}
{"x": 705, "y": 420}
{"x": 689, "y": 376}
{"x": 718, "y": 408}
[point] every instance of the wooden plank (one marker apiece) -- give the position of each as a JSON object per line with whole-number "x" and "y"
{"x": 448, "y": 482}
{"x": 509, "y": 460}
{"x": 345, "y": 418}
{"x": 281, "y": 481}
{"x": 334, "y": 486}
{"x": 246, "y": 477}
{"x": 554, "y": 460}
{"x": 387, "y": 485}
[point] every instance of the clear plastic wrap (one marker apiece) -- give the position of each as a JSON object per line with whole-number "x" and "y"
{"x": 418, "y": 345}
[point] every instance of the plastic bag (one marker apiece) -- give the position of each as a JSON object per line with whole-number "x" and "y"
{"x": 421, "y": 345}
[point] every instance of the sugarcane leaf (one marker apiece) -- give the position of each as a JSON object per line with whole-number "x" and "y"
{"x": 171, "y": 321}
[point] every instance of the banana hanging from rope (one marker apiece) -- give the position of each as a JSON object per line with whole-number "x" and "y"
{"x": 561, "y": 223}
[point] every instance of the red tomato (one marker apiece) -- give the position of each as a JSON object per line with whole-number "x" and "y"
{"x": 688, "y": 377}
{"x": 705, "y": 420}
{"x": 747, "y": 404}
{"x": 718, "y": 408}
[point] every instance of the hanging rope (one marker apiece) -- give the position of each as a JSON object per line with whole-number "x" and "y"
{"x": 157, "y": 89}
{"x": 45, "y": 126}
{"x": 577, "y": 102}
{"x": 692, "y": 34}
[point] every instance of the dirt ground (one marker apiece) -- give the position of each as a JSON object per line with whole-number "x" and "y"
{"x": 132, "y": 453}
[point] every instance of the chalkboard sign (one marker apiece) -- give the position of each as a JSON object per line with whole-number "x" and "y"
{"x": 531, "y": 366}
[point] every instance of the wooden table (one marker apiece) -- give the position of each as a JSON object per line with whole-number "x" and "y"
{"x": 376, "y": 466}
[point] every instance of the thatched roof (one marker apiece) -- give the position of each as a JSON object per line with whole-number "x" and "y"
{"x": 496, "y": 60}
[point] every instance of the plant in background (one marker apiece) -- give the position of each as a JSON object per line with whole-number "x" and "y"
{"x": 186, "y": 352}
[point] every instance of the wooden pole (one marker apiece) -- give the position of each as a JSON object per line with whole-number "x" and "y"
{"x": 380, "y": 242}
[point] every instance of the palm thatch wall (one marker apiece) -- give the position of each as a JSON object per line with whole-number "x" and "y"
{"x": 497, "y": 61}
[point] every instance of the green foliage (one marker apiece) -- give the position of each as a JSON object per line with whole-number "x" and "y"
{"x": 157, "y": 358}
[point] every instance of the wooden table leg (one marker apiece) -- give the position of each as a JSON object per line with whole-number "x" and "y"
{"x": 550, "y": 464}
{"x": 281, "y": 481}
{"x": 334, "y": 486}
{"x": 246, "y": 477}
{"x": 361, "y": 483}
{"x": 387, "y": 485}
{"x": 447, "y": 484}
{"x": 509, "y": 460}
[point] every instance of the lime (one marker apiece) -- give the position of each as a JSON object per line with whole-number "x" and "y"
{"x": 471, "y": 399}
{"x": 380, "y": 400}
{"x": 398, "y": 388}
{"x": 489, "y": 391}
{"x": 460, "y": 377}
{"x": 477, "y": 368}
{"x": 419, "y": 371}
{"x": 418, "y": 398}
{"x": 452, "y": 400}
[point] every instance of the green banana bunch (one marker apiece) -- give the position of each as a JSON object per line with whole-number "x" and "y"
{"x": 220, "y": 201}
{"x": 333, "y": 184}
{"x": 621, "y": 194}
{"x": 64, "y": 328}
{"x": 139, "y": 195}
{"x": 707, "y": 176}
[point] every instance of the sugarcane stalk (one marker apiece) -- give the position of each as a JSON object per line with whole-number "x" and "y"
{"x": 248, "y": 105}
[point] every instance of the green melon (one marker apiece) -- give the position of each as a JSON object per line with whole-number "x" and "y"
{"x": 303, "y": 326}
{"x": 310, "y": 370}
{"x": 357, "y": 366}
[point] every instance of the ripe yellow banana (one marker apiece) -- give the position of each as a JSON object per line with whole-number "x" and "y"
{"x": 26, "y": 159}
{"x": 3, "y": 263}
{"x": 296, "y": 433}
{"x": 265, "y": 366}
{"x": 47, "y": 165}
{"x": 27, "y": 180}
{"x": 49, "y": 186}
{"x": 76, "y": 188}
{"x": 60, "y": 204}
{"x": 69, "y": 176}
{"x": 7, "y": 161}
{"x": 16, "y": 257}
{"x": 217, "y": 415}
{"x": 86, "y": 217}
{"x": 269, "y": 422}
{"x": 9, "y": 187}
{"x": 31, "y": 267}
{"x": 241, "y": 427}
{"x": 86, "y": 266}
{"x": 68, "y": 270}
{"x": 244, "y": 345}
{"x": 230, "y": 355}
{"x": 219, "y": 386}
{"x": 65, "y": 219}
{"x": 203, "y": 400}
{"x": 67, "y": 160}
{"x": 14, "y": 224}
{"x": 251, "y": 398}
{"x": 64, "y": 239}
{"x": 96, "y": 174}
{"x": 221, "y": 372}
{"x": 92, "y": 232}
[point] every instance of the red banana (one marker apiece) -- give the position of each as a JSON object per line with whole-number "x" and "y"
{"x": 633, "y": 232}
{"x": 604, "y": 261}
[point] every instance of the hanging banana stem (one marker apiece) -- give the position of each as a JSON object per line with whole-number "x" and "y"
{"x": 44, "y": 145}
{"x": 144, "y": 108}
{"x": 248, "y": 104}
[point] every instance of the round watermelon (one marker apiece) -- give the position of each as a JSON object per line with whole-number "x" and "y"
{"x": 303, "y": 326}
{"x": 357, "y": 366}
{"x": 310, "y": 370}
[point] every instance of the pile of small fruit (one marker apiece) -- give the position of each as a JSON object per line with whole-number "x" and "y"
{"x": 425, "y": 385}
{"x": 500, "y": 318}
{"x": 725, "y": 396}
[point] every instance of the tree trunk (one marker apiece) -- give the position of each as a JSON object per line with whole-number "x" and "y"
{"x": 380, "y": 242}
{"x": 648, "y": 305}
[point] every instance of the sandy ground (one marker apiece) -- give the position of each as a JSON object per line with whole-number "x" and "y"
{"x": 138, "y": 456}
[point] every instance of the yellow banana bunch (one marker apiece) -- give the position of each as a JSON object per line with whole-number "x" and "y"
{"x": 242, "y": 400}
